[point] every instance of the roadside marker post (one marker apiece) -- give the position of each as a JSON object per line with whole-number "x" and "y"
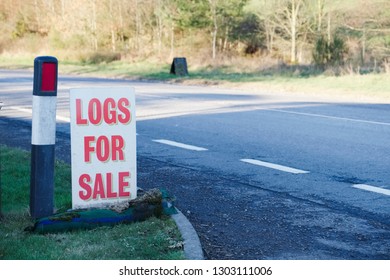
{"x": 179, "y": 66}
{"x": 1, "y": 213}
{"x": 43, "y": 136}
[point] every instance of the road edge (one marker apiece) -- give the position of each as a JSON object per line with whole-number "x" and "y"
{"x": 192, "y": 247}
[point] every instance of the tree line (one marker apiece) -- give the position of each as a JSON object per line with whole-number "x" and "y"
{"x": 323, "y": 32}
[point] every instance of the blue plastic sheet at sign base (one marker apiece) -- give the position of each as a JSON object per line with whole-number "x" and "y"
{"x": 83, "y": 219}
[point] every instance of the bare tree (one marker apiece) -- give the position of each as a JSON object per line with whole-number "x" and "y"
{"x": 150, "y": 27}
{"x": 213, "y": 9}
{"x": 286, "y": 17}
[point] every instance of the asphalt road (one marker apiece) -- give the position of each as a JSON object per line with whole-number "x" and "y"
{"x": 259, "y": 175}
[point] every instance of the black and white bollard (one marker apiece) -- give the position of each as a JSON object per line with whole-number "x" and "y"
{"x": 43, "y": 136}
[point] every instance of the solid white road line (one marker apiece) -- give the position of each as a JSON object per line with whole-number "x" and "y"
{"x": 30, "y": 111}
{"x": 327, "y": 117}
{"x": 180, "y": 145}
{"x": 20, "y": 109}
{"x": 372, "y": 189}
{"x": 61, "y": 118}
{"x": 275, "y": 166}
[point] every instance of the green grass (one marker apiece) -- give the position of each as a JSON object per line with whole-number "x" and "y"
{"x": 16, "y": 62}
{"x": 139, "y": 70}
{"x": 302, "y": 79}
{"x": 152, "y": 239}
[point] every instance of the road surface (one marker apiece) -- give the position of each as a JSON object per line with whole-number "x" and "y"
{"x": 259, "y": 175}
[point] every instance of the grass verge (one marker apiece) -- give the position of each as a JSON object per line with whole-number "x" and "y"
{"x": 285, "y": 79}
{"x": 152, "y": 239}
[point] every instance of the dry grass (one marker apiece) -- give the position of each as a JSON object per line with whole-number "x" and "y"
{"x": 260, "y": 73}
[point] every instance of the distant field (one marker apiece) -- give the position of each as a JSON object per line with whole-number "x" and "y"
{"x": 374, "y": 87}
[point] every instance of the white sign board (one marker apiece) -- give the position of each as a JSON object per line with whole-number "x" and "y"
{"x": 103, "y": 144}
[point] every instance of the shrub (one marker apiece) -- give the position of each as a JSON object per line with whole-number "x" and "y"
{"x": 329, "y": 53}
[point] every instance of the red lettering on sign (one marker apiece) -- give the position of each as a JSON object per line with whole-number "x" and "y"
{"x": 118, "y": 144}
{"x": 111, "y": 112}
{"x": 88, "y": 149}
{"x": 79, "y": 117}
{"x": 95, "y": 111}
{"x": 103, "y": 186}
{"x": 106, "y": 148}
{"x": 98, "y": 187}
{"x": 110, "y": 193}
{"x": 123, "y": 184}
{"x": 123, "y": 105}
{"x": 84, "y": 180}
{"x": 103, "y": 148}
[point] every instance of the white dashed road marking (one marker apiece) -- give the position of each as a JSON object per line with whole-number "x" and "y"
{"x": 180, "y": 145}
{"x": 372, "y": 189}
{"x": 275, "y": 166}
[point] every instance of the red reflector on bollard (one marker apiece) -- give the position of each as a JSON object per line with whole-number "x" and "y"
{"x": 49, "y": 76}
